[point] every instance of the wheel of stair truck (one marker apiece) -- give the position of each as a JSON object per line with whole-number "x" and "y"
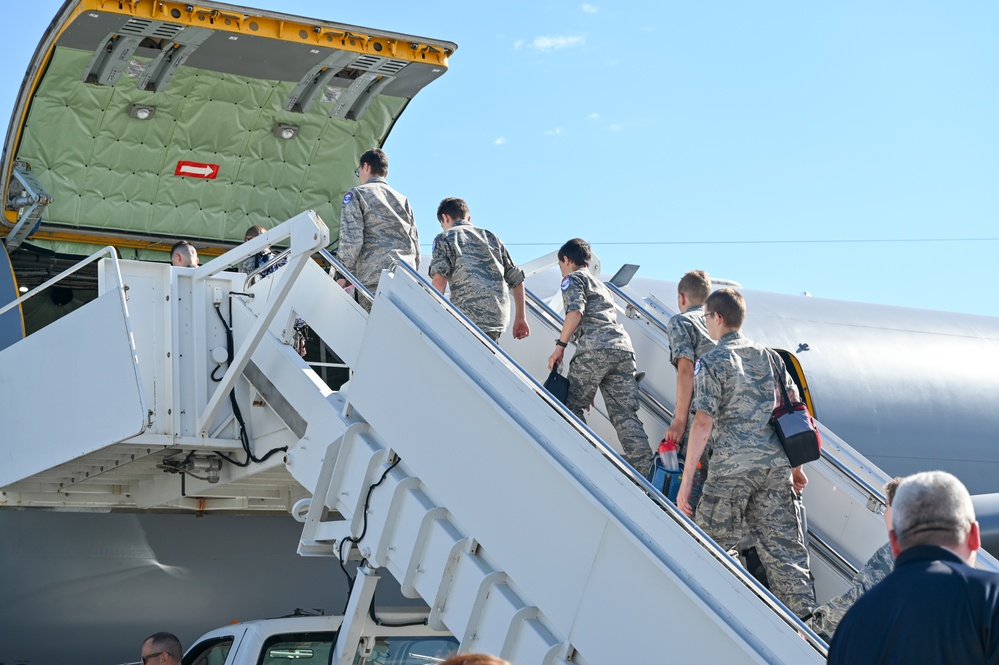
{"x": 300, "y": 511}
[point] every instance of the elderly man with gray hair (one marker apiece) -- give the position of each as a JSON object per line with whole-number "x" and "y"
{"x": 935, "y": 607}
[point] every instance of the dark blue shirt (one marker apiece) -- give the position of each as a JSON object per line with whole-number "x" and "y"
{"x": 933, "y": 608}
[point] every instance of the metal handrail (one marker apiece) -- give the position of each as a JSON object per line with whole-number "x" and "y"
{"x": 872, "y": 491}
{"x": 346, "y": 274}
{"x": 66, "y": 273}
{"x": 439, "y": 297}
{"x": 836, "y": 463}
{"x": 655, "y": 495}
{"x": 555, "y": 322}
{"x": 120, "y": 289}
{"x": 821, "y": 547}
{"x": 637, "y": 306}
{"x": 543, "y": 306}
{"x": 273, "y": 262}
{"x": 304, "y": 229}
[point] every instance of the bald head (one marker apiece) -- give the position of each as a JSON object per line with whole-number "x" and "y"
{"x": 162, "y": 649}
{"x": 183, "y": 255}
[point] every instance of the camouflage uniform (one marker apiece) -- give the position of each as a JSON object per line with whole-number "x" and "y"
{"x": 826, "y": 617}
{"x": 259, "y": 259}
{"x": 750, "y": 489}
{"x": 688, "y": 338}
{"x": 476, "y": 264}
{"x": 604, "y": 358}
{"x": 376, "y": 228}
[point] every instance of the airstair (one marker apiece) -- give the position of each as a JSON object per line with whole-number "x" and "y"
{"x": 839, "y": 528}
{"x": 442, "y": 462}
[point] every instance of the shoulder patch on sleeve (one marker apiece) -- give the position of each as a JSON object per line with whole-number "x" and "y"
{"x": 697, "y": 367}
{"x": 565, "y": 283}
{"x": 348, "y": 197}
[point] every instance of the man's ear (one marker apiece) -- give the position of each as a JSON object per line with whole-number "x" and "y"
{"x": 893, "y": 539}
{"x": 974, "y": 537}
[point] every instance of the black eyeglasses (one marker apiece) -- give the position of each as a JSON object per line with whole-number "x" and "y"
{"x": 706, "y": 313}
{"x": 146, "y": 659}
{"x": 357, "y": 172}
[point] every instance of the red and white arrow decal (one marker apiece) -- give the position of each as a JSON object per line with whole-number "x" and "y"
{"x": 197, "y": 170}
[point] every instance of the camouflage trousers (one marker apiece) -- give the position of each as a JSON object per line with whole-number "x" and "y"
{"x": 759, "y": 503}
{"x": 697, "y": 489}
{"x": 362, "y": 299}
{"x": 614, "y": 373}
{"x": 493, "y": 335}
{"x": 826, "y": 617}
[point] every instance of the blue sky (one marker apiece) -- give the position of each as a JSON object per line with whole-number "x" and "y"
{"x": 847, "y": 149}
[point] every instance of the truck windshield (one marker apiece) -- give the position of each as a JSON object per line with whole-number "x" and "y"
{"x": 409, "y": 651}
{"x": 209, "y": 652}
{"x": 316, "y": 649}
{"x": 298, "y": 648}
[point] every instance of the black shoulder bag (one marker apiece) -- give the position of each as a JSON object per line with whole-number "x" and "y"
{"x": 557, "y": 385}
{"x": 794, "y": 425}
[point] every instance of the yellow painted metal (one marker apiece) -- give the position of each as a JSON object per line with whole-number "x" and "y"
{"x": 120, "y": 242}
{"x": 802, "y": 382}
{"x": 294, "y": 31}
{"x": 227, "y": 20}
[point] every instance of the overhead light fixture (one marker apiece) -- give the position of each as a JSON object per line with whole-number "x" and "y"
{"x": 141, "y": 111}
{"x": 286, "y": 132}
{"x": 22, "y": 289}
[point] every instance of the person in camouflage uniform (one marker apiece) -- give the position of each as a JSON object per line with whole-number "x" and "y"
{"x": 261, "y": 258}
{"x": 688, "y": 341}
{"x": 604, "y": 356}
{"x": 376, "y": 225}
{"x": 826, "y": 617}
{"x": 477, "y": 264}
{"x": 750, "y": 488}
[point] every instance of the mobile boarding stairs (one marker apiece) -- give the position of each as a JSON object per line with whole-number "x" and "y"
{"x": 442, "y": 462}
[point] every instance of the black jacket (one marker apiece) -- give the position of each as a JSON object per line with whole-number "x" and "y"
{"x": 933, "y": 608}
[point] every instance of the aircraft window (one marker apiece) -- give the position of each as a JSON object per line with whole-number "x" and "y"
{"x": 410, "y": 651}
{"x": 298, "y": 649}
{"x": 209, "y": 652}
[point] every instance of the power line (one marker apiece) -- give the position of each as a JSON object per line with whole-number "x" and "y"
{"x": 748, "y": 242}
{"x": 763, "y": 242}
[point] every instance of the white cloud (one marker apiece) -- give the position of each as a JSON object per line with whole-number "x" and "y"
{"x": 593, "y": 116}
{"x": 590, "y": 9}
{"x": 548, "y": 42}
{"x": 518, "y": 43}
{"x": 616, "y": 127}
{"x": 500, "y": 141}
{"x": 554, "y": 132}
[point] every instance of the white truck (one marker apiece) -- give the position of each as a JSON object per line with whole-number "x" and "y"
{"x": 396, "y": 638}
